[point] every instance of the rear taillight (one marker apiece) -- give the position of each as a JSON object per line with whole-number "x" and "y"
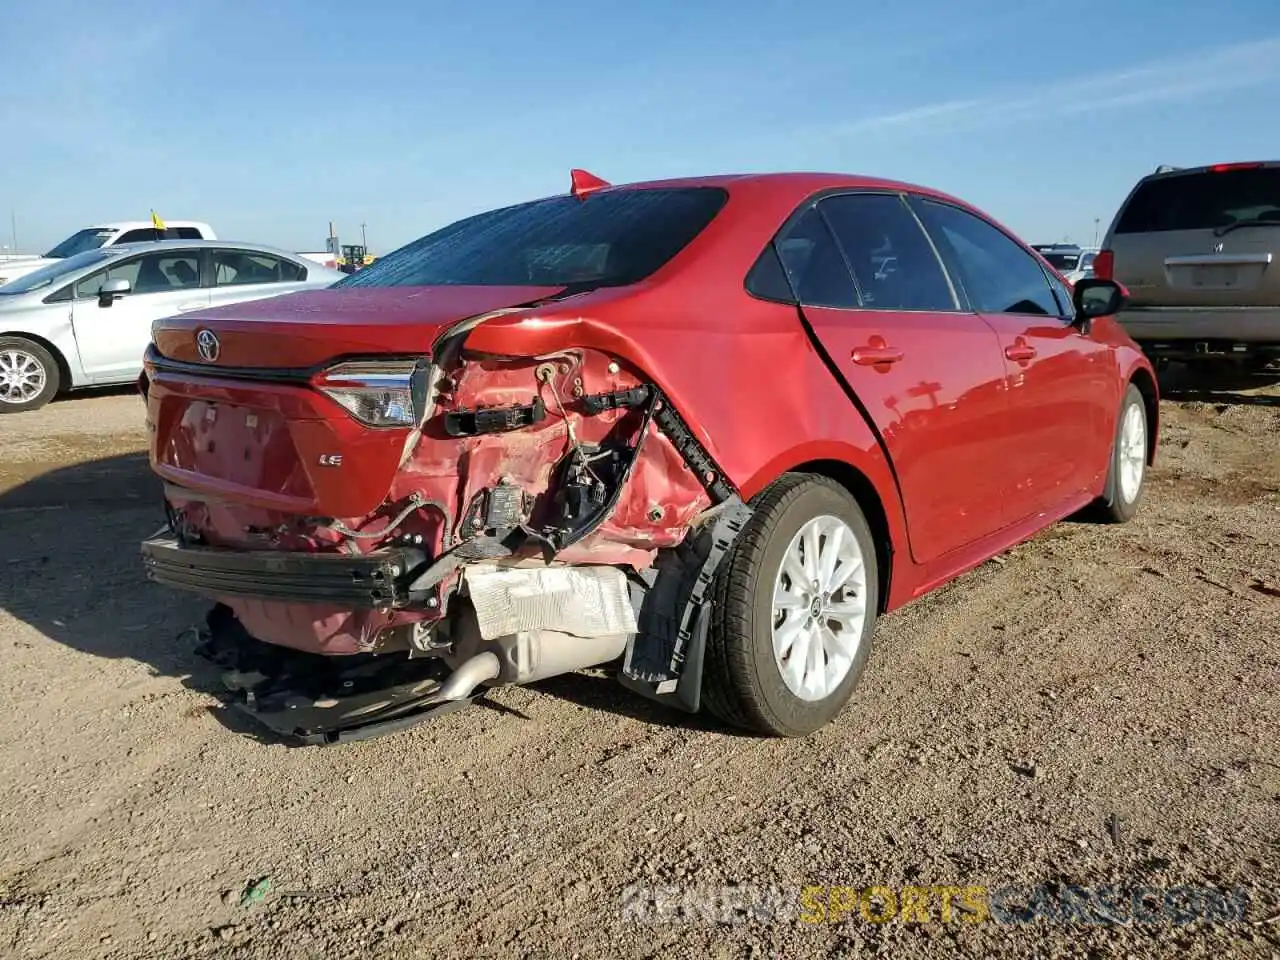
{"x": 381, "y": 393}
{"x": 1104, "y": 265}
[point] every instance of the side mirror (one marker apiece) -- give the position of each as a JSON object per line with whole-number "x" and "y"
{"x": 1098, "y": 298}
{"x": 113, "y": 290}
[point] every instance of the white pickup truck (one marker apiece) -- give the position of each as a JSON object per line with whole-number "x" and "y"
{"x": 106, "y": 235}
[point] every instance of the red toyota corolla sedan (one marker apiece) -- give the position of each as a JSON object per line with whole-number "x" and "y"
{"x": 705, "y": 430}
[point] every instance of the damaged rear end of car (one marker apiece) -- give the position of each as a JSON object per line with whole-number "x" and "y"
{"x": 448, "y": 473}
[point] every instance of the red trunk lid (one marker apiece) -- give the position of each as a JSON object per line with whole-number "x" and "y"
{"x": 310, "y": 328}
{"x": 275, "y": 443}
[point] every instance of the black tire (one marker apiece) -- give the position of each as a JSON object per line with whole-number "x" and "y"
{"x": 742, "y": 682}
{"x": 20, "y": 347}
{"x": 1114, "y": 507}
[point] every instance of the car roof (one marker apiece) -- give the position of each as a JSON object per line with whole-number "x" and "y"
{"x": 146, "y": 224}
{"x": 1167, "y": 172}
{"x": 793, "y": 184}
{"x": 128, "y": 248}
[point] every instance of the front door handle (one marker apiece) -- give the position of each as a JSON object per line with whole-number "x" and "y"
{"x": 871, "y": 356}
{"x": 1022, "y": 352}
{"x": 188, "y": 307}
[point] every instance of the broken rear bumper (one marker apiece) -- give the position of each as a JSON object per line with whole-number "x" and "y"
{"x": 376, "y": 581}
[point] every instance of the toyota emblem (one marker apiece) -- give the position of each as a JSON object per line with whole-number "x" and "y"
{"x": 207, "y": 345}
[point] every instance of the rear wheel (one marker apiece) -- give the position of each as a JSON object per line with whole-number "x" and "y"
{"x": 28, "y": 375}
{"x": 794, "y": 610}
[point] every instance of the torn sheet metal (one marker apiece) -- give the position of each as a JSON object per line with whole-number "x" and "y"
{"x": 583, "y": 601}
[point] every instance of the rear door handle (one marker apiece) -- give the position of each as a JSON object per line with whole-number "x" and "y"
{"x": 870, "y": 356}
{"x": 1020, "y": 352}
{"x": 188, "y": 307}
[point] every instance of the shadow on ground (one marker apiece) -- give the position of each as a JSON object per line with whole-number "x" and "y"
{"x": 84, "y": 393}
{"x": 1220, "y": 384}
{"x": 71, "y": 568}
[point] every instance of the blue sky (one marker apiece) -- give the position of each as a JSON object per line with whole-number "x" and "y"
{"x": 269, "y": 119}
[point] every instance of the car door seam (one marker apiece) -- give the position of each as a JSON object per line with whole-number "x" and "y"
{"x": 852, "y": 394}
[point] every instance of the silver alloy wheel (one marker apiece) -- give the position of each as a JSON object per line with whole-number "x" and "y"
{"x": 22, "y": 376}
{"x": 819, "y": 607}
{"x": 1133, "y": 452}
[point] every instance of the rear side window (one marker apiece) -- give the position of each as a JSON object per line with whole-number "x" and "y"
{"x": 892, "y": 261}
{"x": 151, "y": 234}
{"x": 146, "y": 235}
{"x": 235, "y": 268}
{"x": 1203, "y": 201}
{"x": 768, "y": 279}
{"x": 815, "y": 265}
{"x": 610, "y": 238}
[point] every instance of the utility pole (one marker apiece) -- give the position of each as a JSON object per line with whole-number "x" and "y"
{"x": 364, "y": 241}
{"x": 1095, "y": 231}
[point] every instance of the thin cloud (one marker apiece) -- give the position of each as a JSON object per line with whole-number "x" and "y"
{"x": 1223, "y": 69}
{"x": 914, "y": 116}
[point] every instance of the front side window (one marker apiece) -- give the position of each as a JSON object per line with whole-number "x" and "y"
{"x": 1061, "y": 294}
{"x": 235, "y": 268}
{"x": 150, "y": 273}
{"x": 892, "y": 261}
{"x": 615, "y": 237}
{"x": 999, "y": 276}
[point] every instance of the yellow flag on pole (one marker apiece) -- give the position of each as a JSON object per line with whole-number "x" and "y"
{"x": 156, "y": 221}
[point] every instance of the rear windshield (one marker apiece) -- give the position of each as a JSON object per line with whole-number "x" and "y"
{"x": 1062, "y": 261}
{"x": 1204, "y": 201}
{"x": 612, "y": 238}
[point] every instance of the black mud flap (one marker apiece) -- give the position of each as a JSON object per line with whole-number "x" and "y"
{"x": 316, "y": 700}
{"x": 663, "y": 661}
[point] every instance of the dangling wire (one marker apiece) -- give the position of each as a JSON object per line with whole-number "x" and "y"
{"x": 546, "y": 374}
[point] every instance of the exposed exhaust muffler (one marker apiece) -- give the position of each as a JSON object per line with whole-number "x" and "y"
{"x": 467, "y": 676}
{"x": 524, "y": 657}
{"x": 526, "y": 624}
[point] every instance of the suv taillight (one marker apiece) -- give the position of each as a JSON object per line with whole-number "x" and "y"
{"x": 1104, "y": 265}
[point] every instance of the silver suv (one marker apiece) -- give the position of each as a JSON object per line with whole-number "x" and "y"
{"x": 1199, "y": 251}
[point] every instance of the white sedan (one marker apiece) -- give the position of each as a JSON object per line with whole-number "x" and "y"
{"x": 86, "y": 320}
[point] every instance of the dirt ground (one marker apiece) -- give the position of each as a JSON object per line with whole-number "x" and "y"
{"x": 1097, "y": 707}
